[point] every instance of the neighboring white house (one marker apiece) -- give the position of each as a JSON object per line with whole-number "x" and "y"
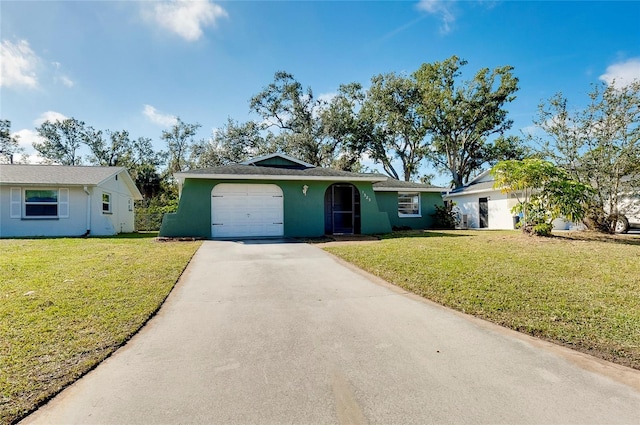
{"x": 57, "y": 200}
{"x": 481, "y": 206}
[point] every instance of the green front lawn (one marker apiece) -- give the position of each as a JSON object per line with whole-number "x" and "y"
{"x": 66, "y": 304}
{"x": 579, "y": 290}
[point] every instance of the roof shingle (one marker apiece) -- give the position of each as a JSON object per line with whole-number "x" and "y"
{"x": 394, "y": 184}
{"x": 55, "y": 174}
{"x": 252, "y": 170}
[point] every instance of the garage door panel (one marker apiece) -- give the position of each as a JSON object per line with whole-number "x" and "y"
{"x": 272, "y": 217}
{"x": 260, "y": 190}
{"x": 246, "y": 210}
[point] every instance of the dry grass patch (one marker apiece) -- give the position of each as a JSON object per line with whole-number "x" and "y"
{"x": 66, "y": 304}
{"x": 580, "y": 290}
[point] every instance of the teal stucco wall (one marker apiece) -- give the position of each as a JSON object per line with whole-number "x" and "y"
{"x": 388, "y": 202}
{"x": 303, "y": 215}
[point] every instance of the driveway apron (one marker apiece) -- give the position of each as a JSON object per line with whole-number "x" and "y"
{"x": 263, "y": 332}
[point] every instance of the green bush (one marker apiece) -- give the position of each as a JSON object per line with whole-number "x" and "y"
{"x": 146, "y": 221}
{"x": 542, "y": 229}
{"x": 444, "y": 217}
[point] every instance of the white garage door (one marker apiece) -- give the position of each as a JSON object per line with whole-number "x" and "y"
{"x": 246, "y": 210}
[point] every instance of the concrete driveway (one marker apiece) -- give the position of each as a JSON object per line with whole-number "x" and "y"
{"x": 283, "y": 333}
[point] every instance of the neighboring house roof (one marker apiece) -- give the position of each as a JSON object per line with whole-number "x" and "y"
{"x": 252, "y": 172}
{"x": 483, "y": 182}
{"x": 63, "y": 175}
{"x": 394, "y": 185}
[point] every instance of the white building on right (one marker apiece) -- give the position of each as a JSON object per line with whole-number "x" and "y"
{"x": 481, "y": 206}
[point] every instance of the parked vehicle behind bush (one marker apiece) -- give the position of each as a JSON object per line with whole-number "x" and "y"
{"x": 629, "y": 216}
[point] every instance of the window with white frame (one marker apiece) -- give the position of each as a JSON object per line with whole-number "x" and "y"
{"x": 409, "y": 204}
{"x": 39, "y": 203}
{"x": 106, "y": 203}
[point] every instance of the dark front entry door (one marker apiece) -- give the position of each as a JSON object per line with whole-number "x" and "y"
{"x": 342, "y": 210}
{"x": 484, "y": 213}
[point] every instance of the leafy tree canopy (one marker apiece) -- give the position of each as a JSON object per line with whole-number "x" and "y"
{"x": 179, "y": 140}
{"x": 397, "y": 128}
{"x": 9, "y": 145}
{"x": 544, "y": 192}
{"x": 460, "y": 115}
{"x": 598, "y": 145}
{"x": 62, "y": 140}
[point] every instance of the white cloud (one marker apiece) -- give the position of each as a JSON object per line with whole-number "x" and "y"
{"x": 26, "y": 138}
{"x": 186, "y": 18}
{"x": 530, "y": 130}
{"x": 18, "y": 64}
{"x": 440, "y": 8}
{"x": 158, "y": 118}
{"x": 66, "y": 81}
{"x": 59, "y": 77}
{"x": 51, "y": 116}
{"x": 622, "y": 73}
{"x": 327, "y": 97}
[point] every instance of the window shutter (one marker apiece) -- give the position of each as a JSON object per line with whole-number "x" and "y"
{"x": 63, "y": 203}
{"x": 16, "y": 202}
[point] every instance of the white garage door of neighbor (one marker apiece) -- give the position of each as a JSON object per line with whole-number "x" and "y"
{"x": 246, "y": 210}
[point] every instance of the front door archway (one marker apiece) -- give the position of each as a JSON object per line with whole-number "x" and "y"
{"x": 342, "y": 209}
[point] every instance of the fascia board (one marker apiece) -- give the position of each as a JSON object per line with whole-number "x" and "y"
{"x": 470, "y": 192}
{"x": 409, "y": 189}
{"x": 183, "y": 177}
{"x": 49, "y": 184}
{"x": 128, "y": 181}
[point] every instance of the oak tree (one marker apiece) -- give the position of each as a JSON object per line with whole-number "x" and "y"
{"x": 459, "y": 116}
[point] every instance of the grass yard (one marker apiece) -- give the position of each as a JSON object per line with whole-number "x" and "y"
{"x": 576, "y": 289}
{"x": 66, "y": 304}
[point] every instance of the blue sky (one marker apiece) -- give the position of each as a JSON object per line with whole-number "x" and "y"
{"x": 136, "y": 65}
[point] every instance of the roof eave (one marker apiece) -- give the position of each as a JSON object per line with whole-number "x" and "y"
{"x": 409, "y": 189}
{"x": 184, "y": 176}
{"x": 471, "y": 192}
{"x": 43, "y": 184}
{"x": 128, "y": 181}
{"x": 479, "y": 176}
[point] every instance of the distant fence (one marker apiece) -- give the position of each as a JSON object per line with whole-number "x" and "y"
{"x": 146, "y": 222}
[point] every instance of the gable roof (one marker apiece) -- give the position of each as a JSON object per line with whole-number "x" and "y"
{"x": 483, "y": 182}
{"x": 271, "y": 159}
{"x": 63, "y": 175}
{"x": 278, "y": 166}
{"x": 394, "y": 185}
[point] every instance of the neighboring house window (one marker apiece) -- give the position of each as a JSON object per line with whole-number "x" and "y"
{"x": 46, "y": 203}
{"x": 106, "y": 203}
{"x": 130, "y": 204}
{"x": 409, "y": 204}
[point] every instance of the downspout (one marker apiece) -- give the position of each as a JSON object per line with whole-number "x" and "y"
{"x": 88, "y": 212}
